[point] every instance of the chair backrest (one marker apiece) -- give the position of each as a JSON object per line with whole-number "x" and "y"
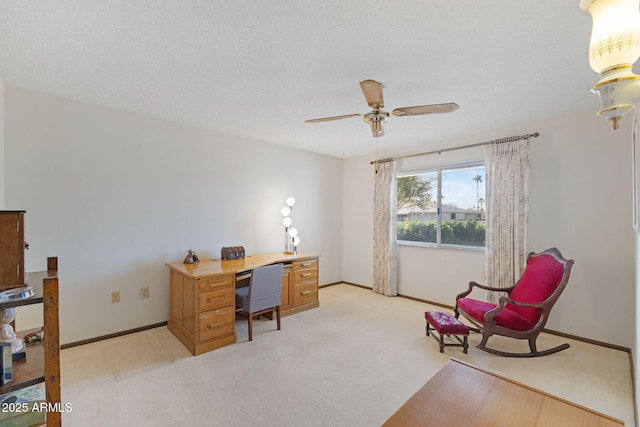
{"x": 264, "y": 287}
{"x": 543, "y": 280}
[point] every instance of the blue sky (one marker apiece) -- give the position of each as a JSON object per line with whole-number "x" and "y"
{"x": 459, "y": 188}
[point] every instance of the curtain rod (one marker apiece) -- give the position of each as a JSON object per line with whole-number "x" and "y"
{"x": 479, "y": 144}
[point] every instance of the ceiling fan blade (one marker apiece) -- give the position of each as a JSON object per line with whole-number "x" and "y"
{"x": 372, "y": 91}
{"x": 425, "y": 109}
{"x": 327, "y": 119}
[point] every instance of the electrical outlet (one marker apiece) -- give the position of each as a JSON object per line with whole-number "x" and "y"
{"x": 144, "y": 292}
{"x": 115, "y": 296}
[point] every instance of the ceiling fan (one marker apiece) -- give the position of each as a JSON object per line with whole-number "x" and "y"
{"x": 372, "y": 91}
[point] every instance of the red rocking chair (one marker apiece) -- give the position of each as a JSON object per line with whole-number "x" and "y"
{"x": 525, "y": 310}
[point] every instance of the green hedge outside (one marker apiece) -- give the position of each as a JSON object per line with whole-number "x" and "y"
{"x": 466, "y": 232}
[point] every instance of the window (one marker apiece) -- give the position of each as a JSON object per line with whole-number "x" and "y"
{"x": 443, "y": 207}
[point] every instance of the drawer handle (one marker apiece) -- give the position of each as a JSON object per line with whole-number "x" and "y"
{"x": 305, "y": 292}
{"x": 210, "y": 326}
{"x": 215, "y": 283}
{"x": 305, "y": 275}
{"x": 212, "y": 299}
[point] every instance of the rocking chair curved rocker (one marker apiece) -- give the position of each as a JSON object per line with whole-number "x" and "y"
{"x": 525, "y": 310}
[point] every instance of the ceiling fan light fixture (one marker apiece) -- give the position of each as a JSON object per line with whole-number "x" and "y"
{"x": 375, "y": 118}
{"x": 376, "y": 129}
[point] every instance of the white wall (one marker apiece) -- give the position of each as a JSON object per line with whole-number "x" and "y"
{"x": 580, "y": 203}
{"x": 116, "y": 195}
{"x": 357, "y": 223}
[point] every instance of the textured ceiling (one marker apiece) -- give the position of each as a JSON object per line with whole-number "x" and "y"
{"x": 260, "y": 68}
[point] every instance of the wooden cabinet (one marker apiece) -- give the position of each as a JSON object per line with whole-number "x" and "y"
{"x": 11, "y": 249}
{"x": 304, "y": 284}
{"x": 202, "y": 295}
{"x": 202, "y": 311}
{"x": 216, "y": 312}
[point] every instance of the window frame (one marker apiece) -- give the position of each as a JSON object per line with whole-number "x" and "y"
{"x": 439, "y": 170}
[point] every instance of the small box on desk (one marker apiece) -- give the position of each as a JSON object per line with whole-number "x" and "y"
{"x": 232, "y": 252}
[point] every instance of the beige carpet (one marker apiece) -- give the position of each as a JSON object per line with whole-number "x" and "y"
{"x": 351, "y": 362}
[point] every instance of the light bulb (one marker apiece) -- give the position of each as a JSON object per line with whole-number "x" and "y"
{"x": 376, "y": 128}
{"x": 293, "y": 232}
{"x": 286, "y": 221}
{"x": 291, "y": 201}
{"x": 285, "y": 211}
{"x": 296, "y": 241}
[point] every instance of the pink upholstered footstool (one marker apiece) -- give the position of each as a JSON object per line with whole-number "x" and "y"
{"x": 446, "y": 324}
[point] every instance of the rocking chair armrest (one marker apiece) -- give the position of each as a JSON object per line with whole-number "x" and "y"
{"x": 508, "y": 300}
{"x": 473, "y": 284}
{"x": 489, "y": 315}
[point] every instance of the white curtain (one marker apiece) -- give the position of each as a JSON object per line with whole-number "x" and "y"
{"x": 385, "y": 263}
{"x": 507, "y": 180}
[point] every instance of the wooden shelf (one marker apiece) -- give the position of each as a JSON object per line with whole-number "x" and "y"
{"x": 42, "y": 360}
{"x": 27, "y": 371}
{"x": 37, "y": 298}
{"x": 30, "y": 370}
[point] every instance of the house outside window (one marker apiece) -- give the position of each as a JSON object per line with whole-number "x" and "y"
{"x": 442, "y": 207}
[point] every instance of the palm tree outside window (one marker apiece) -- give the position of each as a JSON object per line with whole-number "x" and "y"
{"x": 442, "y": 207}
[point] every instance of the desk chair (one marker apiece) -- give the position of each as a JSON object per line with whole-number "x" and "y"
{"x": 262, "y": 295}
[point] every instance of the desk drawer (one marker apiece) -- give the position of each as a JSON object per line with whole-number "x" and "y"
{"x": 305, "y": 293}
{"x": 214, "y": 282}
{"x": 304, "y": 275}
{"x": 217, "y": 298}
{"x": 216, "y": 323}
{"x": 309, "y": 263}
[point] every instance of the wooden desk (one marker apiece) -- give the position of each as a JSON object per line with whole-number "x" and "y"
{"x": 202, "y": 295}
{"x": 463, "y": 395}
